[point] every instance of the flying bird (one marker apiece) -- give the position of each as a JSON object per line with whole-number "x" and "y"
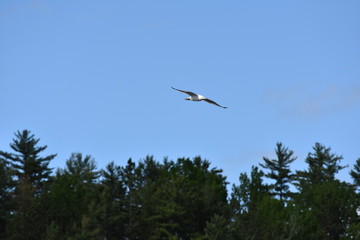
{"x": 197, "y": 97}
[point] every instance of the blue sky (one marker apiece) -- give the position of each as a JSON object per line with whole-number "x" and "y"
{"x": 95, "y": 77}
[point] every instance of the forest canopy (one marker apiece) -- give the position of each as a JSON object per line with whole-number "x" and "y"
{"x": 174, "y": 199}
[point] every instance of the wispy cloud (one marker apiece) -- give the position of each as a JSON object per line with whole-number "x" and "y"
{"x": 309, "y": 101}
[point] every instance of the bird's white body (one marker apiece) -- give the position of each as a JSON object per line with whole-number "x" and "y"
{"x": 197, "y": 97}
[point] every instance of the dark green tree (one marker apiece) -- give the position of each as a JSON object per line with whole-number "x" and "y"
{"x": 240, "y": 196}
{"x": 353, "y": 231}
{"x": 130, "y": 179}
{"x": 31, "y": 173}
{"x": 217, "y": 228}
{"x": 327, "y": 209}
{"x": 253, "y": 199}
{"x": 322, "y": 166}
{"x": 280, "y": 170}
{"x": 111, "y": 178}
{"x": 355, "y": 173}
{"x": 183, "y": 199}
{"x": 112, "y": 203}
{"x": 26, "y": 161}
{"x": 28, "y": 217}
{"x": 6, "y": 186}
{"x": 73, "y": 200}
{"x": 82, "y": 168}
{"x": 201, "y": 192}
{"x": 245, "y": 196}
{"x": 329, "y": 202}
{"x": 257, "y": 189}
{"x": 173, "y": 200}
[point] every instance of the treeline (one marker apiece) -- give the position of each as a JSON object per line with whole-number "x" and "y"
{"x": 182, "y": 199}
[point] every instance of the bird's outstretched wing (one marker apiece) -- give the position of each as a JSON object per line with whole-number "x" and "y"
{"x": 212, "y": 102}
{"x": 187, "y": 92}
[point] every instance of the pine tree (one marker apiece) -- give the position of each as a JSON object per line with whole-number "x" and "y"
{"x": 355, "y": 173}
{"x": 240, "y": 195}
{"x": 331, "y": 203}
{"x": 31, "y": 173}
{"x": 83, "y": 168}
{"x": 323, "y": 166}
{"x": 203, "y": 194}
{"x": 217, "y": 228}
{"x": 253, "y": 197}
{"x": 332, "y": 207}
{"x": 280, "y": 170}
{"x": 74, "y": 200}
{"x": 27, "y": 163}
{"x": 112, "y": 204}
{"x": 6, "y": 186}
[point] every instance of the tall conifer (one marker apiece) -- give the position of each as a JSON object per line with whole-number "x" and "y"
{"x": 280, "y": 170}
{"x": 27, "y": 163}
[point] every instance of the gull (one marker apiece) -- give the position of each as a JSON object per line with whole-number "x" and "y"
{"x": 197, "y": 97}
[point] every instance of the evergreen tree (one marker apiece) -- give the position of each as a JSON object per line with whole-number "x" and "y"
{"x": 353, "y": 231}
{"x": 329, "y": 202}
{"x": 280, "y": 170}
{"x": 172, "y": 200}
{"x": 240, "y": 196}
{"x": 257, "y": 189}
{"x": 112, "y": 180}
{"x": 26, "y": 161}
{"x": 82, "y": 168}
{"x": 253, "y": 197}
{"x": 217, "y": 228}
{"x": 130, "y": 180}
{"x": 355, "y": 173}
{"x": 112, "y": 203}
{"x": 31, "y": 173}
{"x": 329, "y": 208}
{"x": 27, "y": 220}
{"x": 201, "y": 192}
{"x": 74, "y": 198}
{"x": 323, "y": 165}
{"x": 182, "y": 199}
{"x": 6, "y": 187}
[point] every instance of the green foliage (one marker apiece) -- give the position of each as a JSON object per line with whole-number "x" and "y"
{"x": 82, "y": 168}
{"x": 257, "y": 209}
{"x": 72, "y": 198}
{"x": 217, "y": 228}
{"x": 280, "y": 170}
{"x": 352, "y": 232}
{"x": 323, "y": 166}
{"x": 26, "y": 162}
{"x": 355, "y": 173}
{"x": 24, "y": 177}
{"x": 332, "y": 205}
{"x": 111, "y": 207}
{"x": 176, "y": 198}
{"x": 26, "y": 220}
{"x": 6, "y": 185}
{"x": 183, "y": 199}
